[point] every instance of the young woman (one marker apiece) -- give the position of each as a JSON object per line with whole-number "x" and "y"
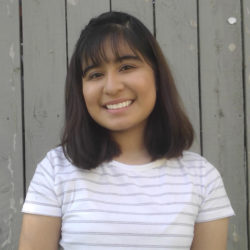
{"x": 122, "y": 177}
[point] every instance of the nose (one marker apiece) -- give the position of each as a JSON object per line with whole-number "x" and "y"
{"x": 113, "y": 83}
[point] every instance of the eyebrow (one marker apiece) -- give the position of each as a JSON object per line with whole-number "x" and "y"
{"x": 118, "y": 59}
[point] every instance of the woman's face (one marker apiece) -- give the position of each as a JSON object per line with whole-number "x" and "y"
{"x": 120, "y": 93}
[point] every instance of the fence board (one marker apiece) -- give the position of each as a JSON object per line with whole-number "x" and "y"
{"x": 45, "y": 60}
{"x": 79, "y": 14}
{"x": 176, "y": 31}
{"x": 11, "y": 168}
{"x": 142, "y": 9}
{"x": 222, "y": 104}
{"x": 246, "y": 30}
{"x": 44, "y": 76}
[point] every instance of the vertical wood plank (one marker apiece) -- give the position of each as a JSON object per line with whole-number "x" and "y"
{"x": 142, "y": 9}
{"x": 176, "y": 31}
{"x": 246, "y": 30}
{"x": 44, "y": 42}
{"x": 78, "y": 15}
{"x": 222, "y": 104}
{"x": 11, "y": 168}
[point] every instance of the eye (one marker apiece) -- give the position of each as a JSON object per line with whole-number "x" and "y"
{"x": 94, "y": 76}
{"x": 126, "y": 67}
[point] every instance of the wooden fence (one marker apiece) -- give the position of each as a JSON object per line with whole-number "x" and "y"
{"x": 207, "y": 44}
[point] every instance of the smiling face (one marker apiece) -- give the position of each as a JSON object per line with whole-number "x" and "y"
{"x": 119, "y": 92}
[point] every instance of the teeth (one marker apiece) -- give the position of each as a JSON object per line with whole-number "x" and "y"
{"x": 119, "y": 105}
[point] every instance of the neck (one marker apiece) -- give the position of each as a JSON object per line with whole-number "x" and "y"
{"x": 133, "y": 150}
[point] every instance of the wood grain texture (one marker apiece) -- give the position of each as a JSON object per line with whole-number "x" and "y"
{"x": 222, "y": 105}
{"x": 246, "y": 30}
{"x": 11, "y": 161}
{"x": 78, "y": 15}
{"x": 224, "y": 130}
{"x": 176, "y": 31}
{"x": 142, "y": 9}
{"x": 44, "y": 58}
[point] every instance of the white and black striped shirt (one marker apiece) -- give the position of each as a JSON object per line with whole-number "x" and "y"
{"x": 119, "y": 206}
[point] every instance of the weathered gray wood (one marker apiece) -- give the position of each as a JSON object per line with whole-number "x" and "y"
{"x": 11, "y": 167}
{"x": 176, "y": 31}
{"x": 44, "y": 34}
{"x": 44, "y": 76}
{"x": 78, "y": 15}
{"x": 142, "y": 9}
{"x": 246, "y": 30}
{"x": 222, "y": 105}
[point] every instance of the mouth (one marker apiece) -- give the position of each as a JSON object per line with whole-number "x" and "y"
{"x": 118, "y": 105}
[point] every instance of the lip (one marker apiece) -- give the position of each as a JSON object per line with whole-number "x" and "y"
{"x": 118, "y": 110}
{"x": 116, "y": 101}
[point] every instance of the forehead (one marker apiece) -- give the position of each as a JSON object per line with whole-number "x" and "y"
{"x": 121, "y": 50}
{"x": 108, "y": 51}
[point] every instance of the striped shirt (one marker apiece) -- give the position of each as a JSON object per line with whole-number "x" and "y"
{"x": 119, "y": 206}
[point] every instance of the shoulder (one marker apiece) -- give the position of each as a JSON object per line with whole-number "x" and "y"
{"x": 192, "y": 161}
{"x": 198, "y": 166}
{"x": 192, "y": 158}
{"x": 56, "y": 154}
{"x": 55, "y": 161}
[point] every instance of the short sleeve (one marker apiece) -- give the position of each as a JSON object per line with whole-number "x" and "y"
{"x": 41, "y": 197}
{"x": 216, "y": 204}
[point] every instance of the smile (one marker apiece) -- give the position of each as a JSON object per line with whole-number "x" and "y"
{"x": 119, "y": 105}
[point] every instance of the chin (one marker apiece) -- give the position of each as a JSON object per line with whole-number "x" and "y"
{"x": 117, "y": 129}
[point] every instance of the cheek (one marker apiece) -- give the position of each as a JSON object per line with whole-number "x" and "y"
{"x": 150, "y": 92}
{"x": 149, "y": 87}
{"x": 89, "y": 96}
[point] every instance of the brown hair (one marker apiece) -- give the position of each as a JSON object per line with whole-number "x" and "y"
{"x": 168, "y": 132}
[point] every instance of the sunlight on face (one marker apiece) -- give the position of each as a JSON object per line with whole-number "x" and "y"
{"x": 120, "y": 91}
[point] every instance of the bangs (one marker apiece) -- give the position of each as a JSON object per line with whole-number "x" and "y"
{"x": 94, "y": 51}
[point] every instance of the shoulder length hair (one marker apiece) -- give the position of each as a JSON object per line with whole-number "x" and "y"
{"x": 168, "y": 132}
